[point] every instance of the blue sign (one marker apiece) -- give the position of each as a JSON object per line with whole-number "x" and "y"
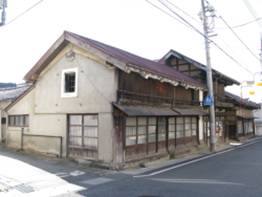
{"x": 208, "y": 101}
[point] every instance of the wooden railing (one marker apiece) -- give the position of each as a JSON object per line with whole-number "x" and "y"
{"x": 153, "y": 99}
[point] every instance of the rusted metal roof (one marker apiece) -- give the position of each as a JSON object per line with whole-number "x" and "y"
{"x": 196, "y": 111}
{"x": 130, "y": 60}
{"x": 142, "y": 110}
{"x": 240, "y": 101}
{"x": 216, "y": 73}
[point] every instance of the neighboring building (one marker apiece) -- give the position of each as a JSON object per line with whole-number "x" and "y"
{"x": 106, "y": 105}
{"x": 258, "y": 120}
{"x": 197, "y": 71}
{"x": 7, "y": 85}
{"x": 7, "y": 96}
{"x": 242, "y": 116}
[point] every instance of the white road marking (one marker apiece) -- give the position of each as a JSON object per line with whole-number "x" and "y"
{"x": 181, "y": 165}
{"x": 193, "y": 161}
{"x": 77, "y": 173}
{"x": 197, "y": 181}
{"x": 97, "y": 181}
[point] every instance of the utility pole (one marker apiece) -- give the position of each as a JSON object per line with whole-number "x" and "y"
{"x": 205, "y": 10}
{"x": 3, "y": 5}
{"x": 261, "y": 53}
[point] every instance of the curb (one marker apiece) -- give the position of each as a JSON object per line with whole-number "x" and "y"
{"x": 151, "y": 172}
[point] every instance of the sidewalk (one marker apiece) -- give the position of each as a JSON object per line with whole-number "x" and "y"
{"x": 21, "y": 179}
{"x": 23, "y": 174}
{"x": 151, "y": 167}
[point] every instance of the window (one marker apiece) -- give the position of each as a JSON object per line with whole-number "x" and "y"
{"x": 161, "y": 129}
{"x": 141, "y": 138}
{"x": 83, "y": 131}
{"x": 18, "y": 120}
{"x": 3, "y": 120}
{"x": 152, "y": 129}
{"x": 69, "y": 82}
{"x": 171, "y": 128}
{"x": 179, "y": 127}
{"x": 194, "y": 126}
{"x": 188, "y": 126}
{"x": 130, "y": 131}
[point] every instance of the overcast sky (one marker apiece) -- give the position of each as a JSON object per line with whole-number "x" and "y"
{"x": 132, "y": 25}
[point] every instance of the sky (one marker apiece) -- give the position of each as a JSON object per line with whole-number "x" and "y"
{"x": 135, "y": 26}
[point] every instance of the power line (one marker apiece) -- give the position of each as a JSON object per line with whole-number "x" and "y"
{"x": 252, "y": 11}
{"x": 24, "y": 12}
{"x": 247, "y": 23}
{"x": 184, "y": 12}
{"x": 240, "y": 40}
{"x": 165, "y": 12}
{"x": 199, "y": 32}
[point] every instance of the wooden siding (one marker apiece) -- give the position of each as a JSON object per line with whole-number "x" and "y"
{"x": 187, "y": 69}
{"x": 135, "y": 88}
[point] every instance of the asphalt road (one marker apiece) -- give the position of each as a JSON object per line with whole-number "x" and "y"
{"x": 235, "y": 173}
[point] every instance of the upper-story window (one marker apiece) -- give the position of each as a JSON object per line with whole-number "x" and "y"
{"x": 69, "y": 82}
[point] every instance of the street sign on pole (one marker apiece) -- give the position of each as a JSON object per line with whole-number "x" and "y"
{"x": 208, "y": 10}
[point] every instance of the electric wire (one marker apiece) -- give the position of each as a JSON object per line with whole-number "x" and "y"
{"x": 199, "y": 32}
{"x": 247, "y": 23}
{"x": 24, "y": 12}
{"x": 239, "y": 39}
{"x": 184, "y": 12}
{"x": 165, "y": 12}
{"x": 252, "y": 11}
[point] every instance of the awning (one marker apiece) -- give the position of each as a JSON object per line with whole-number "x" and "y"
{"x": 190, "y": 111}
{"x": 245, "y": 116}
{"x": 142, "y": 110}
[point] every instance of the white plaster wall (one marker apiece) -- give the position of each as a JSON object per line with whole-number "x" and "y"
{"x": 24, "y": 106}
{"x": 97, "y": 85}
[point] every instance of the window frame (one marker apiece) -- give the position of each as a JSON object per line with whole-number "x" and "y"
{"x": 21, "y": 120}
{"x": 65, "y": 94}
{"x": 82, "y": 125}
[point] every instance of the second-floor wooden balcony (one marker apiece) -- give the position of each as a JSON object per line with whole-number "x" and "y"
{"x": 222, "y": 101}
{"x": 134, "y": 97}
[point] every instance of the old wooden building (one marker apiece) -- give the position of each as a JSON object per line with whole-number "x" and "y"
{"x": 106, "y": 105}
{"x": 156, "y": 118}
{"x": 197, "y": 71}
{"x": 242, "y": 116}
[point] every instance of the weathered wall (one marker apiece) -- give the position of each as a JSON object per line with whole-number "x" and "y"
{"x": 3, "y": 105}
{"x": 245, "y": 113}
{"x": 97, "y": 86}
{"x": 24, "y": 106}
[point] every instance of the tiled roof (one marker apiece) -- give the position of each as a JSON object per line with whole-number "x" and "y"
{"x": 130, "y": 60}
{"x": 240, "y": 101}
{"x": 12, "y": 93}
